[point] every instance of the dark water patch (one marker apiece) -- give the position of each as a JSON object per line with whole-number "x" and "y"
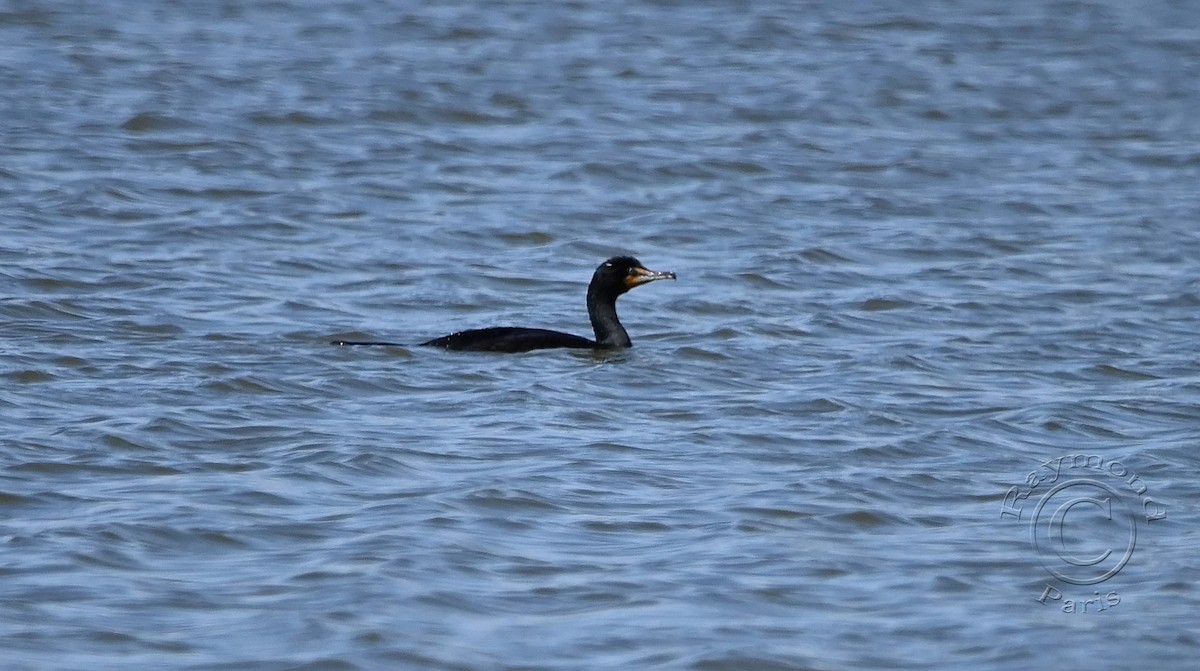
{"x": 218, "y": 194}
{"x": 7, "y": 499}
{"x": 880, "y": 304}
{"x": 144, "y": 122}
{"x": 294, "y": 118}
{"x": 629, "y": 526}
{"x": 29, "y": 376}
{"x": 1122, "y": 373}
{"x": 823, "y": 256}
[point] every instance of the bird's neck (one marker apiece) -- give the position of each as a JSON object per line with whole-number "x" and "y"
{"x": 603, "y": 311}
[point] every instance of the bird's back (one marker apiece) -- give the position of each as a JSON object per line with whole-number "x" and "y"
{"x": 509, "y": 339}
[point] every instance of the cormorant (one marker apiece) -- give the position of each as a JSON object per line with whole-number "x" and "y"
{"x": 611, "y": 279}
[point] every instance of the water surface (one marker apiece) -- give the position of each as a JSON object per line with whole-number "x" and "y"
{"x": 922, "y": 249}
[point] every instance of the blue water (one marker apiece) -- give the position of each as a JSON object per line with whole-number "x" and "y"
{"x": 923, "y": 249}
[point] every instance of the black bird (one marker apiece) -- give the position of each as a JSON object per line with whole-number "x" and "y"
{"x": 611, "y": 279}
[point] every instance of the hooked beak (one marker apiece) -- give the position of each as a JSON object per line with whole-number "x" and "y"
{"x": 642, "y": 276}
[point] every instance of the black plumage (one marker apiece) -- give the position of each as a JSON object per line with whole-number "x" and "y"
{"x": 612, "y": 278}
